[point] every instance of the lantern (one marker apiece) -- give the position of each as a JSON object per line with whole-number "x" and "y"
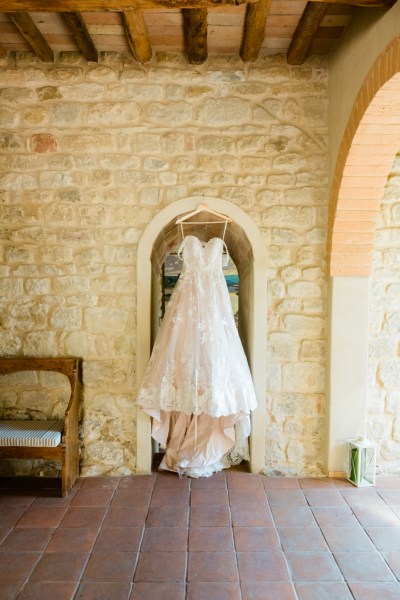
{"x": 362, "y": 462}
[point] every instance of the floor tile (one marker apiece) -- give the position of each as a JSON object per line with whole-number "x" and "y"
{"x": 214, "y": 539}
{"x": 280, "y": 483}
{"x": 208, "y": 497}
{"x": 144, "y": 590}
{"x": 84, "y": 517}
{"x": 292, "y": 516}
{"x": 239, "y": 496}
{"x": 288, "y": 497}
{"x": 393, "y": 560}
{"x": 161, "y": 567}
{"x": 17, "y": 565}
{"x": 391, "y": 497}
{"x": 27, "y": 539}
{"x": 377, "y": 515}
{"x": 210, "y": 516}
{"x": 262, "y": 566}
{"x": 14, "y": 498}
{"x": 93, "y": 497}
{"x": 329, "y": 516}
{"x": 310, "y": 483}
{"x": 387, "y": 482}
{"x": 60, "y": 566}
{"x": 323, "y": 591}
{"x": 252, "y": 515}
{"x": 10, "y": 517}
{"x": 302, "y": 539}
{"x": 43, "y": 518}
{"x": 170, "y": 496}
{"x": 241, "y": 480}
{"x": 212, "y": 566}
{"x": 123, "y": 516}
{"x": 131, "y": 497}
{"x": 165, "y": 539}
{"x": 37, "y": 590}
{"x": 375, "y": 591}
{"x": 207, "y": 483}
{"x": 101, "y": 483}
{"x": 167, "y": 516}
{"x": 348, "y": 539}
{"x": 256, "y": 539}
{"x": 10, "y": 590}
{"x": 110, "y": 566}
{"x": 4, "y": 533}
{"x": 267, "y": 590}
{"x": 105, "y": 590}
{"x": 385, "y": 538}
{"x": 171, "y": 481}
{"x": 215, "y": 590}
{"x": 118, "y": 539}
{"x": 72, "y": 539}
{"x": 324, "y": 497}
{"x": 312, "y": 566}
{"x": 360, "y": 566}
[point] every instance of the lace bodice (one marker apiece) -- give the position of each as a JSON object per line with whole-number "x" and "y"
{"x": 198, "y": 259}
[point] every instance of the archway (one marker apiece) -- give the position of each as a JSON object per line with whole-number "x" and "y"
{"x": 366, "y": 154}
{"x": 253, "y": 314}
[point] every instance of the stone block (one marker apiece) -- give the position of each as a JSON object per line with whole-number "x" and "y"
{"x": 173, "y": 113}
{"x": 303, "y": 324}
{"x": 66, "y": 317}
{"x": 40, "y": 344}
{"x": 289, "y": 216}
{"x": 282, "y": 346}
{"x": 10, "y": 343}
{"x": 303, "y": 289}
{"x": 111, "y": 320}
{"x": 214, "y": 144}
{"x": 37, "y": 287}
{"x": 70, "y": 284}
{"x": 117, "y": 113}
{"x": 224, "y": 111}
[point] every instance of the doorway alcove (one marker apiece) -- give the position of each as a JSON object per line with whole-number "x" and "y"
{"x": 247, "y": 249}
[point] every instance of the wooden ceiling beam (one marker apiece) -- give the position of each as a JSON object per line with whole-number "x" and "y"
{"x": 308, "y": 26}
{"x": 254, "y": 30}
{"x": 108, "y": 5}
{"x": 27, "y": 28}
{"x": 138, "y": 36}
{"x": 78, "y": 28}
{"x": 127, "y": 5}
{"x": 195, "y": 32}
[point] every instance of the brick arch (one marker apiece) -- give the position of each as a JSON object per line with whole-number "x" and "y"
{"x": 366, "y": 154}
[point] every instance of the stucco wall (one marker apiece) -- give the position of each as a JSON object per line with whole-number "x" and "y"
{"x": 89, "y": 153}
{"x": 384, "y": 332}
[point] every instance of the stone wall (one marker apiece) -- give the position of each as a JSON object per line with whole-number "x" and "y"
{"x": 90, "y": 152}
{"x": 384, "y": 346}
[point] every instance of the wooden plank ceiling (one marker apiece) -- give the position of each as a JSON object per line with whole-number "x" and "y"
{"x": 250, "y": 28}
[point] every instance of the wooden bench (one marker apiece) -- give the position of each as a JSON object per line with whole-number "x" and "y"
{"x": 12, "y": 444}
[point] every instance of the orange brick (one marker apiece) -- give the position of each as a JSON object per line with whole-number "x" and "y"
{"x": 356, "y": 215}
{"x": 353, "y": 237}
{"x": 349, "y": 271}
{"x": 359, "y": 226}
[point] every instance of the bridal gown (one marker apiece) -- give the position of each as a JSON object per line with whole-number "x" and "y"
{"x": 198, "y": 387}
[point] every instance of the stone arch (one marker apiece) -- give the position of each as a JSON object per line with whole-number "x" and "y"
{"x": 254, "y": 303}
{"x": 366, "y": 153}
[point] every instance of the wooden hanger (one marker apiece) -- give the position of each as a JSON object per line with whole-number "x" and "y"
{"x": 204, "y": 208}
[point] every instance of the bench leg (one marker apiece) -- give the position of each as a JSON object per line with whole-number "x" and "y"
{"x": 70, "y": 470}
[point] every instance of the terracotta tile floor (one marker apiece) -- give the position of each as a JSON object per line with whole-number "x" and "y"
{"x": 234, "y": 536}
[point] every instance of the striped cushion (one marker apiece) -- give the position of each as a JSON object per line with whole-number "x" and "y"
{"x": 31, "y": 433}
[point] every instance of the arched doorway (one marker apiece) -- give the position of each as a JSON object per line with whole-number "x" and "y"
{"x": 247, "y": 249}
{"x": 366, "y": 153}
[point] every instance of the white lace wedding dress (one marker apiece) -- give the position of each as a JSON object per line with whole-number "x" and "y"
{"x": 198, "y": 386}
